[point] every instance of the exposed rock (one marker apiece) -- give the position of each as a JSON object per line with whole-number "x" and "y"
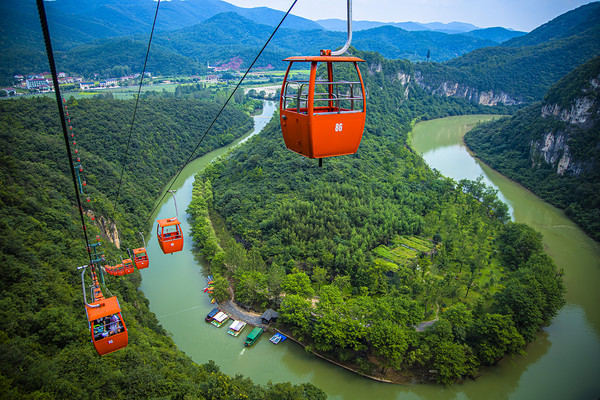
{"x": 455, "y": 89}
{"x": 579, "y": 114}
{"x": 404, "y": 78}
{"x": 553, "y": 149}
{"x": 108, "y": 228}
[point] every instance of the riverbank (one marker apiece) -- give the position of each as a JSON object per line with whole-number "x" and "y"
{"x": 234, "y": 311}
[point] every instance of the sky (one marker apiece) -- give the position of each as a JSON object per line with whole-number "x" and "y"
{"x": 521, "y": 15}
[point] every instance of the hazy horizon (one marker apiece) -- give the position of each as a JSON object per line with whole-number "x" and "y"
{"x": 520, "y": 15}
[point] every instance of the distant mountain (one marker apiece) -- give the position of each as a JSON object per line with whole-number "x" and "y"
{"x": 512, "y": 74}
{"x": 227, "y": 35}
{"x": 74, "y": 22}
{"x": 452, "y": 27}
{"x": 395, "y": 43}
{"x": 566, "y": 25}
{"x": 341, "y": 25}
{"x": 496, "y": 34}
{"x": 229, "y": 29}
{"x": 552, "y": 147}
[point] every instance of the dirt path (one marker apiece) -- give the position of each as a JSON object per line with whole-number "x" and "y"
{"x": 235, "y": 312}
{"x": 424, "y": 325}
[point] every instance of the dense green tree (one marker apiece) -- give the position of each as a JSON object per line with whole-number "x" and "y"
{"x": 297, "y": 283}
{"x": 519, "y": 242}
{"x": 295, "y": 311}
{"x": 492, "y": 336}
{"x": 389, "y": 341}
{"x": 220, "y": 288}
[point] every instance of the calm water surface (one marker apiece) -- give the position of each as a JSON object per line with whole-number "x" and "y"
{"x": 564, "y": 363}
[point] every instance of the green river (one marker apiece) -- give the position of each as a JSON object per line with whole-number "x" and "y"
{"x": 564, "y": 363}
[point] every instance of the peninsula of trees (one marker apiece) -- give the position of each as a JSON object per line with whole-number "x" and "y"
{"x": 358, "y": 254}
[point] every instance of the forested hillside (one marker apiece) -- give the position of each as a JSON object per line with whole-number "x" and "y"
{"x": 355, "y": 255}
{"x": 552, "y": 147}
{"x": 45, "y": 349}
{"x": 76, "y": 22}
{"x": 523, "y": 69}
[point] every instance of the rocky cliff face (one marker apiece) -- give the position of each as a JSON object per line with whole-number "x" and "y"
{"x": 447, "y": 88}
{"x": 455, "y": 89}
{"x": 582, "y": 114}
{"x": 108, "y": 228}
{"x": 553, "y": 149}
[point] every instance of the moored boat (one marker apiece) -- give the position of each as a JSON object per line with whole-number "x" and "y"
{"x": 277, "y": 338}
{"x": 209, "y": 317}
{"x": 236, "y": 328}
{"x": 253, "y": 336}
{"x": 219, "y": 319}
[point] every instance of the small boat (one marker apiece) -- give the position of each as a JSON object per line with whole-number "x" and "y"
{"x": 208, "y": 289}
{"x": 277, "y": 338}
{"x": 236, "y": 328}
{"x": 211, "y": 314}
{"x": 253, "y": 336}
{"x": 219, "y": 319}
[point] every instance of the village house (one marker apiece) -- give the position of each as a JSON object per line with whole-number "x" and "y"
{"x": 37, "y": 83}
{"x": 108, "y": 82}
{"x": 86, "y": 85}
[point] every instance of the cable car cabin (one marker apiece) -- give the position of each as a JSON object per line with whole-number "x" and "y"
{"x": 323, "y": 117}
{"x": 107, "y": 326}
{"x": 110, "y": 269}
{"x": 128, "y": 266}
{"x": 170, "y": 236}
{"x": 140, "y": 258}
{"x": 118, "y": 270}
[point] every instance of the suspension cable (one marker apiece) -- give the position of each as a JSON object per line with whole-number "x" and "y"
{"x": 220, "y": 111}
{"x": 48, "y": 43}
{"x": 135, "y": 108}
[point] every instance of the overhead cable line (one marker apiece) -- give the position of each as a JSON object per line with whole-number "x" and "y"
{"x": 135, "y": 108}
{"x": 221, "y": 110}
{"x": 48, "y": 43}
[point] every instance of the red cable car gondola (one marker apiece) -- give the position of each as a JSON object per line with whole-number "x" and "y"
{"x": 119, "y": 270}
{"x": 170, "y": 236}
{"x": 128, "y": 266}
{"x": 140, "y": 258}
{"x": 107, "y": 326}
{"x": 169, "y": 233}
{"x": 324, "y": 116}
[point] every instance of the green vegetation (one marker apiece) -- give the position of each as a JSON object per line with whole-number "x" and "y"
{"x": 45, "y": 349}
{"x": 358, "y": 253}
{"x": 515, "y": 147}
